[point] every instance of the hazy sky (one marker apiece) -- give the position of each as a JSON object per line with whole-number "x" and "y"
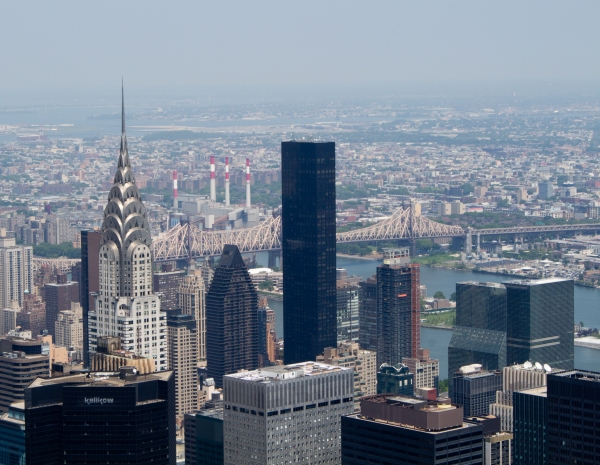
{"x": 194, "y": 44}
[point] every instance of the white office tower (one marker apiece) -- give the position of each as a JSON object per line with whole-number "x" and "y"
{"x": 16, "y": 264}
{"x": 191, "y": 299}
{"x": 125, "y": 305}
{"x": 286, "y": 414}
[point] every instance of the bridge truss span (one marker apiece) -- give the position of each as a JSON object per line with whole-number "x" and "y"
{"x": 536, "y": 229}
{"x": 187, "y": 241}
{"x": 401, "y": 225}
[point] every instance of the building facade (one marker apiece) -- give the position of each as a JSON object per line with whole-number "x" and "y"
{"x": 286, "y": 414}
{"x": 347, "y": 311}
{"x": 90, "y": 282}
{"x": 425, "y": 369}
{"x": 32, "y": 316}
{"x": 231, "y": 318}
{"x": 117, "y": 419}
{"x": 183, "y": 360}
{"x": 395, "y": 380}
{"x": 475, "y": 389}
{"x": 16, "y": 270}
{"x": 398, "y": 307}
{"x": 21, "y": 362}
{"x": 58, "y": 297}
{"x": 308, "y": 248}
{"x": 515, "y": 378}
{"x": 573, "y": 432}
{"x": 166, "y": 285}
{"x": 363, "y": 362}
{"x": 125, "y": 304}
{"x": 204, "y": 442}
{"x": 540, "y": 320}
{"x": 367, "y": 314}
{"x": 191, "y": 297}
{"x": 69, "y": 327}
{"x": 481, "y": 320}
{"x": 12, "y": 435}
{"x": 530, "y": 423}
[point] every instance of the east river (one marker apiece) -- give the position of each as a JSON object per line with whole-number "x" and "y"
{"x": 587, "y": 307}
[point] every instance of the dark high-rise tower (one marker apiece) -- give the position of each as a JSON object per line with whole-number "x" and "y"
{"x": 398, "y": 308}
{"x": 231, "y": 318}
{"x": 480, "y": 333}
{"x": 540, "y": 317}
{"x": 90, "y": 282}
{"x": 573, "y": 429}
{"x": 308, "y": 243}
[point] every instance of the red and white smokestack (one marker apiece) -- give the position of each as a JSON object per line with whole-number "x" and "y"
{"x": 248, "y": 200}
{"x": 175, "y": 199}
{"x": 213, "y": 181}
{"x": 226, "y": 181}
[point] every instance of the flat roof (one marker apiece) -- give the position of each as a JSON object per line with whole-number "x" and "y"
{"x": 534, "y": 282}
{"x": 100, "y": 379}
{"x": 413, "y": 428}
{"x": 278, "y": 373}
{"x": 541, "y": 391}
{"x": 482, "y": 283}
{"x": 580, "y": 374}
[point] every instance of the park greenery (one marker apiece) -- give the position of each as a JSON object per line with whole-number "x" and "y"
{"x": 65, "y": 249}
{"x": 445, "y": 318}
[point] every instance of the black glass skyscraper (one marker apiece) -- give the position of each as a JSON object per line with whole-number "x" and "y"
{"x": 540, "y": 319}
{"x": 573, "y": 432}
{"x": 530, "y": 426}
{"x": 480, "y": 333}
{"x": 308, "y": 243}
{"x": 231, "y": 318}
{"x": 101, "y": 418}
{"x": 90, "y": 246}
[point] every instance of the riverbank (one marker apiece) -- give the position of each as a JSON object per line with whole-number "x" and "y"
{"x": 271, "y": 295}
{"x": 590, "y": 342}
{"x": 360, "y": 257}
{"x": 447, "y": 328}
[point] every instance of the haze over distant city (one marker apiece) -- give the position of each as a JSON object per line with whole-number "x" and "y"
{"x": 274, "y": 49}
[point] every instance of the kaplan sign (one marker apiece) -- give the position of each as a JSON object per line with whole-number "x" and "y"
{"x": 97, "y": 400}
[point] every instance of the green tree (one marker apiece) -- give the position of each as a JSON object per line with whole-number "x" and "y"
{"x": 439, "y": 295}
{"x": 453, "y": 297}
{"x": 266, "y": 286}
{"x": 442, "y": 386}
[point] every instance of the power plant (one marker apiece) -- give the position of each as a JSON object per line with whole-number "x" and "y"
{"x": 208, "y": 214}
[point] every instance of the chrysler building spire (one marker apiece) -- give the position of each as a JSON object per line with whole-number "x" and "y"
{"x": 125, "y": 262}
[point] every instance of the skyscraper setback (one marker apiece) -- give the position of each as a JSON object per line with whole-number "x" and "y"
{"x": 125, "y": 305}
{"x": 231, "y": 318}
{"x": 308, "y": 244}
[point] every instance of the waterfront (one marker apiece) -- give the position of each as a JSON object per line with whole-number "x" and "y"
{"x": 587, "y": 308}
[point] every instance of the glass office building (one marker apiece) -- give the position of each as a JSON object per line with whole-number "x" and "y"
{"x": 480, "y": 333}
{"x": 308, "y": 246}
{"x": 98, "y": 418}
{"x": 530, "y": 422}
{"x": 540, "y": 318}
{"x": 573, "y": 434}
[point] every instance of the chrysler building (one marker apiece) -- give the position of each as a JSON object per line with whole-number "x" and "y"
{"x": 125, "y": 305}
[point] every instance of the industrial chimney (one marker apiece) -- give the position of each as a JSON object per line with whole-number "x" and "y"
{"x": 175, "y": 199}
{"x": 213, "y": 181}
{"x": 226, "y": 181}
{"x": 248, "y": 200}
